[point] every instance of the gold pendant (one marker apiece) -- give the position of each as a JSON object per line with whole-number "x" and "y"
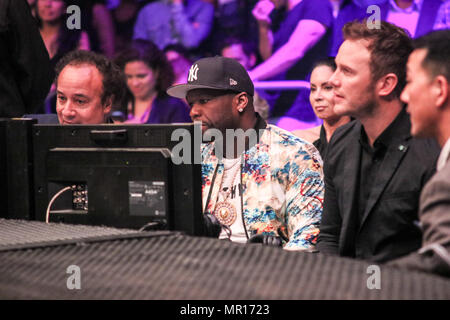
{"x": 226, "y": 213}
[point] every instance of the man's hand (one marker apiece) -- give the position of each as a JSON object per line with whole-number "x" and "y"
{"x": 212, "y": 226}
{"x": 261, "y": 12}
{"x": 268, "y": 240}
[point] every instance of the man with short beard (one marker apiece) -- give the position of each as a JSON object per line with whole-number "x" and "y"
{"x": 266, "y": 190}
{"x": 374, "y": 169}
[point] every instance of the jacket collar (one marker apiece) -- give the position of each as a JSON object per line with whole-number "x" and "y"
{"x": 397, "y": 150}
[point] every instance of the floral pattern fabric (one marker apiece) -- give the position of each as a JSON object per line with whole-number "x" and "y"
{"x": 281, "y": 184}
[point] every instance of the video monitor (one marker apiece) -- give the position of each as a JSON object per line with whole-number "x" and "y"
{"x": 124, "y": 176}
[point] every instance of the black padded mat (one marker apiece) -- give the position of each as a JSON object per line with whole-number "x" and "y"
{"x": 175, "y": 266}
{"x": 22, "y": 233}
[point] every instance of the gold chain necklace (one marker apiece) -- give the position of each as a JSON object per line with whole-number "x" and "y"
{"x": 224, "y": 211}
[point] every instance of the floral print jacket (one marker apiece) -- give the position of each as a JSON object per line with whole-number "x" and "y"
{"x": 281, "y": 184}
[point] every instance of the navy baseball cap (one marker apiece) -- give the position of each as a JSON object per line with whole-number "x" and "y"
{"x": 217, "y": 73}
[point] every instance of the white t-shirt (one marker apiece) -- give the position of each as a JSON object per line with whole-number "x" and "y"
{"x": 232, "y": 179}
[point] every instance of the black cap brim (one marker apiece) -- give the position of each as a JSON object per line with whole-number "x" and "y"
{"x": 181, "y": 90}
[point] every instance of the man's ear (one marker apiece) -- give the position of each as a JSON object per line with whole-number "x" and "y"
{"x": 440, "y": 90}
{"x": 240, "y": 101}
{"x": 387, "y": 84}
{"x": 107, "y": 106}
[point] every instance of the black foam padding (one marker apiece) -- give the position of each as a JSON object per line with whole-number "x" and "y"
{"x": 22, "y": 233}
{"x": 173, "y": 266}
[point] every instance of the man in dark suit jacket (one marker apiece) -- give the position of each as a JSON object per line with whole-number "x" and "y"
{"x": 374, "y": 170}
{"x": 428, "y": 98}
{"x": 25, "y": 73}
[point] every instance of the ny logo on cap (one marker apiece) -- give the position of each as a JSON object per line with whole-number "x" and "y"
{"x": 233, "y": 82}
{"x": 193, "y": 73}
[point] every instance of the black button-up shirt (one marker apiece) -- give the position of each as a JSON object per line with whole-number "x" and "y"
{"x": 371, "y": 159}
{"x": 321, "y": 144}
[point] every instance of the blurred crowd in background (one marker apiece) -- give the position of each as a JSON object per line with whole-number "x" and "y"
{"x": 154, "y": 42}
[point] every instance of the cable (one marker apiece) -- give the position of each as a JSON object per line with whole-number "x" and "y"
{"x": 47, "y": 214}
{"x": 439, "y": 250}
{"x": 157, "y": 225}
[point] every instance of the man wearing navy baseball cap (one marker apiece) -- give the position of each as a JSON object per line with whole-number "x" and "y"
{"x": 271, "y": 190}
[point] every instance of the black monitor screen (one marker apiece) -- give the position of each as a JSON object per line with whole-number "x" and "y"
{"x": 118, "y": 175}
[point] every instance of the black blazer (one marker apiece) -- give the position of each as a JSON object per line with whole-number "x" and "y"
{"x": 389, "y": 226}
{"x": 25, "y": 73}
{"x": 434, "y": 256}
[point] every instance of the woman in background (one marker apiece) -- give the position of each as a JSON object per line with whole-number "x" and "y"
{"x": 58, "y": 39}
{"x": 321, "y": 98}
{"x": 148, "y": 75}
{"x": 179, "y": 59}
